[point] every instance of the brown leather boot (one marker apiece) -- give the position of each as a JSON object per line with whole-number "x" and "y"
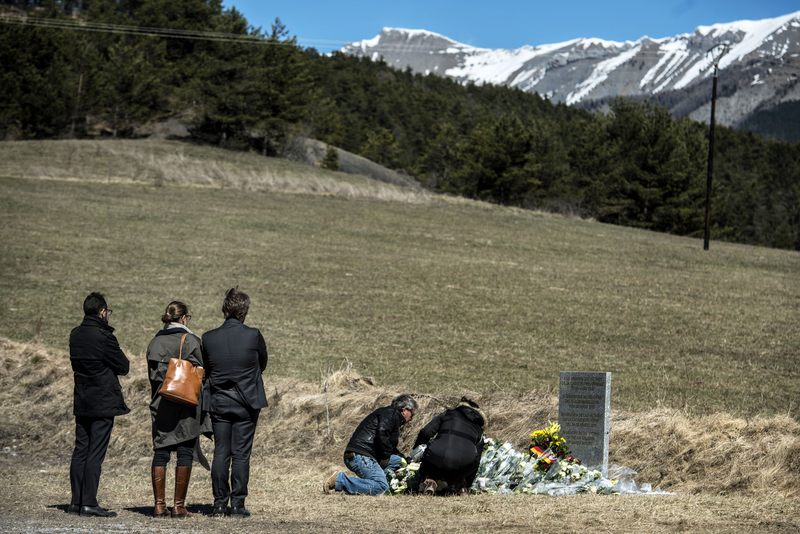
{"x": 182, "y": 475}
{"x": 159, "y": 476}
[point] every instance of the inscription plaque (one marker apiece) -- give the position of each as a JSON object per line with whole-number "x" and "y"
{"x": 584, "y": 413}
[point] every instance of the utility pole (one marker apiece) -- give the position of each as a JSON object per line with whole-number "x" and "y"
{"x": 77, "y": 107}
{"x": 716, "y": 52}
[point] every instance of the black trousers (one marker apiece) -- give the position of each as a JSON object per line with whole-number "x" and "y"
{"x": 184, "y": 453}
{"x": 456, "y": 477}
{"x": 91, "y": 443}
{"x": 234, "y": 428}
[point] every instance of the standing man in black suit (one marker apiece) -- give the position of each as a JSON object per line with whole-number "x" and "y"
{"x": 234, "y": 356}
{"x": 96, "y": 361}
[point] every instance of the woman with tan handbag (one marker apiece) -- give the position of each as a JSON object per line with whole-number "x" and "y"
{"x": 176, "y": 425}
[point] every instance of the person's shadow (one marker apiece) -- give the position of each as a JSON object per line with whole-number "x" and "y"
{"x": 141, "y": 510}
{"x": 200, "y": 509}
{"x": 62, "y": 507}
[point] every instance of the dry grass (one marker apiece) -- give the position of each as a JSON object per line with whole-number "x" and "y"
{"x": 311, "y": 422}
{"x": 285, "y": 497}
{"x": 728, "y": 473}
{"x": 160, "y": 162}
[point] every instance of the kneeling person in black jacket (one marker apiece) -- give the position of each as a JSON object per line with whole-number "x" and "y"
{"x": 373, "y": 448}
{"x": 454, "y": 442}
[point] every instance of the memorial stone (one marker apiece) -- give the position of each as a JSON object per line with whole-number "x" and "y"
{"x": 584, "y": 413}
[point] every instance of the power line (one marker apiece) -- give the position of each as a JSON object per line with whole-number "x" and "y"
{"x": 174, "y": 33}
{"x": 123, "y": 29}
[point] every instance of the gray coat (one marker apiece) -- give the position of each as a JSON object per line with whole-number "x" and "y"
{"x": 172, "y": 422}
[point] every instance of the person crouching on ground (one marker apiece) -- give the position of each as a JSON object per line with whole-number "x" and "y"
{"x": 373, "y": 448}
{"x": 176, "y": 427}
{"x": 235, "y": 355}
{"x": 454, "y": 442}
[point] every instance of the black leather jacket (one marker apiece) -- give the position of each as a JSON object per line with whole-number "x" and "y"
{"x": 378, "y": 434}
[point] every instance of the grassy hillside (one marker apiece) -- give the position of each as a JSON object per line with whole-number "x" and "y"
{"x": 160, "y": 162}
{"x": 423, "y": 293}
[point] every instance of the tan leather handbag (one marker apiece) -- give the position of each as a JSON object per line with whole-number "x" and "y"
{"x": 183, "y": 380}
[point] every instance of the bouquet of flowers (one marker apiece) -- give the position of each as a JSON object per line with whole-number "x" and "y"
{"x": 505, "y": 470}
{"x": 549, "y": 446}
{"x": 399, "y": 478}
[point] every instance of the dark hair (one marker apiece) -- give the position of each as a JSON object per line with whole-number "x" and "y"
{"x": 175, "y": 310}
{"x": 404, "y": 401}
{"x": 93, "y": 303}
{"x": 236, "y": 304}
{"x": 469, "y": 402}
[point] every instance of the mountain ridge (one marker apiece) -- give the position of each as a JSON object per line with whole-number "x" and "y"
{"x": 763, "y": 63}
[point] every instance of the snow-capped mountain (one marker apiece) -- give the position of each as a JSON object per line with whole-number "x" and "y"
{"x": 760, "y": 72}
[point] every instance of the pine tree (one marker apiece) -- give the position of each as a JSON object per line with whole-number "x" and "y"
{"x": 331, "y": 159}
{"x": 381, "y": 147}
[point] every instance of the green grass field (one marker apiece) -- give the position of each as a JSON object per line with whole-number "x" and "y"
{"x": 435, "y": 295}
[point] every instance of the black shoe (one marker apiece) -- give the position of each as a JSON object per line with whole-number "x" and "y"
{"x": 219, "y": 511}
{"x": 96, "y": 511}
{"x": 74, "y": 509}
{"x": 239, "y": 511}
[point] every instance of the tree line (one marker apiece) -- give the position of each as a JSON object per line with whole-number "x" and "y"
{"x": 634, "y": 165}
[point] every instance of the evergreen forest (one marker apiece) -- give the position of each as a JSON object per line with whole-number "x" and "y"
{"x": 634, "y": 165}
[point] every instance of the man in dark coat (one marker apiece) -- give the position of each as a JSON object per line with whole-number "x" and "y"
{"x": 234, "y": 355}
{"x": 373, "y": 448}
{"x": 96, "y": 361}
{"x": 454, "y": 442}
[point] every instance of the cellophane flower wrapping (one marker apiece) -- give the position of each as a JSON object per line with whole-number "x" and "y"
{"x": 505, "y": 470}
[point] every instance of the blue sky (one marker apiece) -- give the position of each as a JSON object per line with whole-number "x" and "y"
{"x": 327, "y": 24}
